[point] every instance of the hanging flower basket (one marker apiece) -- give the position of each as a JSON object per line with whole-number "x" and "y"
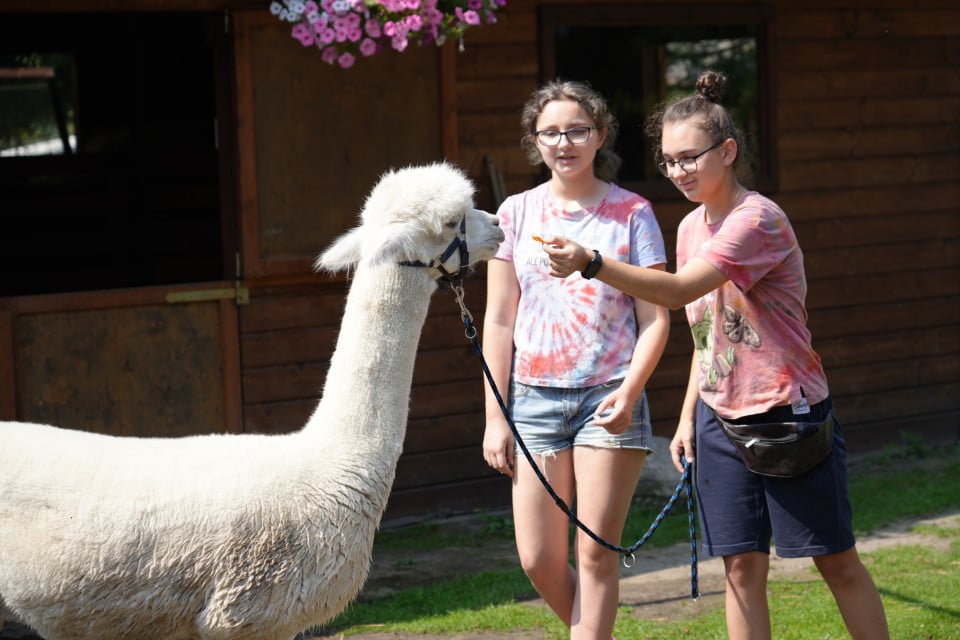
{"x": 346, "y": 29}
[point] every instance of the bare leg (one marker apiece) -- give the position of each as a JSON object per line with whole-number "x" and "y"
{"x": 856, "y": 594}
{"x": 748, "y": 614}
{"x": 606, "y": 480}
{"x": 542, "y": 530}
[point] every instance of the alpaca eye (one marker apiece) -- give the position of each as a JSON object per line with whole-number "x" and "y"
{"x": 453, "y": 225}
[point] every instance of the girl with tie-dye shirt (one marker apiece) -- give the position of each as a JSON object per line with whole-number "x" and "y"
{"x": 740, "y": 275}
{"x": 575, "y": 355}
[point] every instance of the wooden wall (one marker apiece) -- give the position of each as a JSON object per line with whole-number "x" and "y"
{"x": 867, "y": 103}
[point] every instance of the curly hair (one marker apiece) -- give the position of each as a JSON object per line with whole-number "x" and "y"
{"x": 607, "y": 163}
{"x": 705, "y": 107}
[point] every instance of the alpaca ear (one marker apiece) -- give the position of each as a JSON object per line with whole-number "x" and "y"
{"x": 391, "y": 244}
{"x": 342, "y": 254}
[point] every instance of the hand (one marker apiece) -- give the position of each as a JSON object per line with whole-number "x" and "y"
{"x": 683, "y": 443}
{"x": 498, "y": 446}
{"x": 566, "y": 256}
{"x": 614, "y": 413}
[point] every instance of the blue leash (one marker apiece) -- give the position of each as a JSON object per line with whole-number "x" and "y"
{"x": 627, "y": 553}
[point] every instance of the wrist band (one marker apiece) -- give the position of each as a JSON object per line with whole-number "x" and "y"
{"x": 593, "y": 266}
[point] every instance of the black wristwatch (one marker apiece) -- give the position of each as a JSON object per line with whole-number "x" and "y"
{"x": 593, "y": 266}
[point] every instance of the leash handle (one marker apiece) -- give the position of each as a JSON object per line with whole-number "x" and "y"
{"x": 626, "y": 553}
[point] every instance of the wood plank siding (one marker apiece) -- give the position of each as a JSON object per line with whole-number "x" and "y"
{"x": 865, "y": 105}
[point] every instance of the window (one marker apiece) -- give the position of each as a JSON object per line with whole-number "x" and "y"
{"x": 640, "y": 57}
{"x": 109, "y": 166}
{"x": 37, "y": 116}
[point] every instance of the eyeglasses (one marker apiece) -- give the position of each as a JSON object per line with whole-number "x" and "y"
{"x": 551, "y": 137}
{"x": 688, "y": 164}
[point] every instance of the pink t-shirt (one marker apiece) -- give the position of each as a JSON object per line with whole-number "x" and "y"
{"x": 574, "y": 332}
{"x": 750, "y": 335}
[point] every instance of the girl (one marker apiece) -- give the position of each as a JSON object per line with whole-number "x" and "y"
{"x": 740, "y": 274}
{"x": 575, "y": 355}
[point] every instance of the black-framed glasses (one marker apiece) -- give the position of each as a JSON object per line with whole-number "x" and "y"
{"x": 551, "y": 137}
{"x": 687, "y": 163}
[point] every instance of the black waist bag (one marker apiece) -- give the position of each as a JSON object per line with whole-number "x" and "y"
{"x": 781, "y": 449}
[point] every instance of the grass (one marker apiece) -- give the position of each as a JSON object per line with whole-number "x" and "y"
{"x": 920, "y": 586}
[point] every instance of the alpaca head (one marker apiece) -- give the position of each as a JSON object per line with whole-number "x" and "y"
{"x": 412, "y": 215}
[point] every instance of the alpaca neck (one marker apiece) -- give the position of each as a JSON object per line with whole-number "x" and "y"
{"x": 366, "y": 396}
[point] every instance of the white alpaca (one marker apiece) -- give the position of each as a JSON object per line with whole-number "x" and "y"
{"x": 240, "y": 537}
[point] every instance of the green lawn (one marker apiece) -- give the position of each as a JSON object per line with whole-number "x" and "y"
{"x": 920, "y": 586}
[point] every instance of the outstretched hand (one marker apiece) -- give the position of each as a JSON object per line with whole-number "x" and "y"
{"x": 566, "y": 256}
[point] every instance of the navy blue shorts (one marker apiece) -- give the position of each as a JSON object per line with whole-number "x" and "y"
{"x": 740, "y": 511}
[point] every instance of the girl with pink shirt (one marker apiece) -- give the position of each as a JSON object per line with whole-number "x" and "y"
{"x": 741, "y": 279}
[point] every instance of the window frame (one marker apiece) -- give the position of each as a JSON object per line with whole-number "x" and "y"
{"x": 765, "y": 178}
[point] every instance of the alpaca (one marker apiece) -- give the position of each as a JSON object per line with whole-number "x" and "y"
{"x": 244, "y": 536}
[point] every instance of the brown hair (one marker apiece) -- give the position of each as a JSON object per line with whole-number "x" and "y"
{"x": 607, "y": 162}
{"x": 705, "y": 107}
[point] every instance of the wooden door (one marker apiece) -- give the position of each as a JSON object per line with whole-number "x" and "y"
{"x": 159, "y": 361}
{"x": 313, "y": 138}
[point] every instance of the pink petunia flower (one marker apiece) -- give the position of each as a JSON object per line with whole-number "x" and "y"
{"x": 302, "y": 33}
{"x": 346, "y": 60}
{"x": 372, "y": 27}
{"x": 327, "y": 35}
{"x": 413, "y": 23}
{"x": 329, "y": 55}
{"x": 368, "y": 47}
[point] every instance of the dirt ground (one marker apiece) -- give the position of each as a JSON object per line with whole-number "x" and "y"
{"x": 656, "y": 588}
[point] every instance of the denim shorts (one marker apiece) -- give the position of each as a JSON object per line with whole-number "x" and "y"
{"x": 551, "y": 419}
{"x": 741, "y": 511}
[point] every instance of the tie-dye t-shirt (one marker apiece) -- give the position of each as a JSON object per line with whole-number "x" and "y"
{"x": 751, "y": 339}
{"x": 574, "y": 332}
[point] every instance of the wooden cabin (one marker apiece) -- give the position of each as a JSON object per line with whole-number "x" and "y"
{"x": 156, "y": 272}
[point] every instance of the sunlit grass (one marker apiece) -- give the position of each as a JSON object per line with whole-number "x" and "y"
{"x": 920, "y": 586}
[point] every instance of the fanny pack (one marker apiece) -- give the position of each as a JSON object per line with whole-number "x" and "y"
{"x": 781, "y": 449}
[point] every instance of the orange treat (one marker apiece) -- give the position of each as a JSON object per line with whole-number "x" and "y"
{"x": 539, "y": 239}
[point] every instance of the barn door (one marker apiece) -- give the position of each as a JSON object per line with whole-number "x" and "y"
{"x": 156, "y": 361}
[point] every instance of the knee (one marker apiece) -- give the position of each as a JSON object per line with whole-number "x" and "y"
{"x": 747, "y": 570}
{"x": 543, "y": 567}
{"x": 597, "y": 561}
{"x": 840, "y": 569}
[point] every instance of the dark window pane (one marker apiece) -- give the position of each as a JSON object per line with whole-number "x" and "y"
{"x": 639, "y": 59}
{"x": 37, "y": 114}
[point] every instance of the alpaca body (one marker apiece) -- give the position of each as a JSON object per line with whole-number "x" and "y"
{"x": 224, "y": 537}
